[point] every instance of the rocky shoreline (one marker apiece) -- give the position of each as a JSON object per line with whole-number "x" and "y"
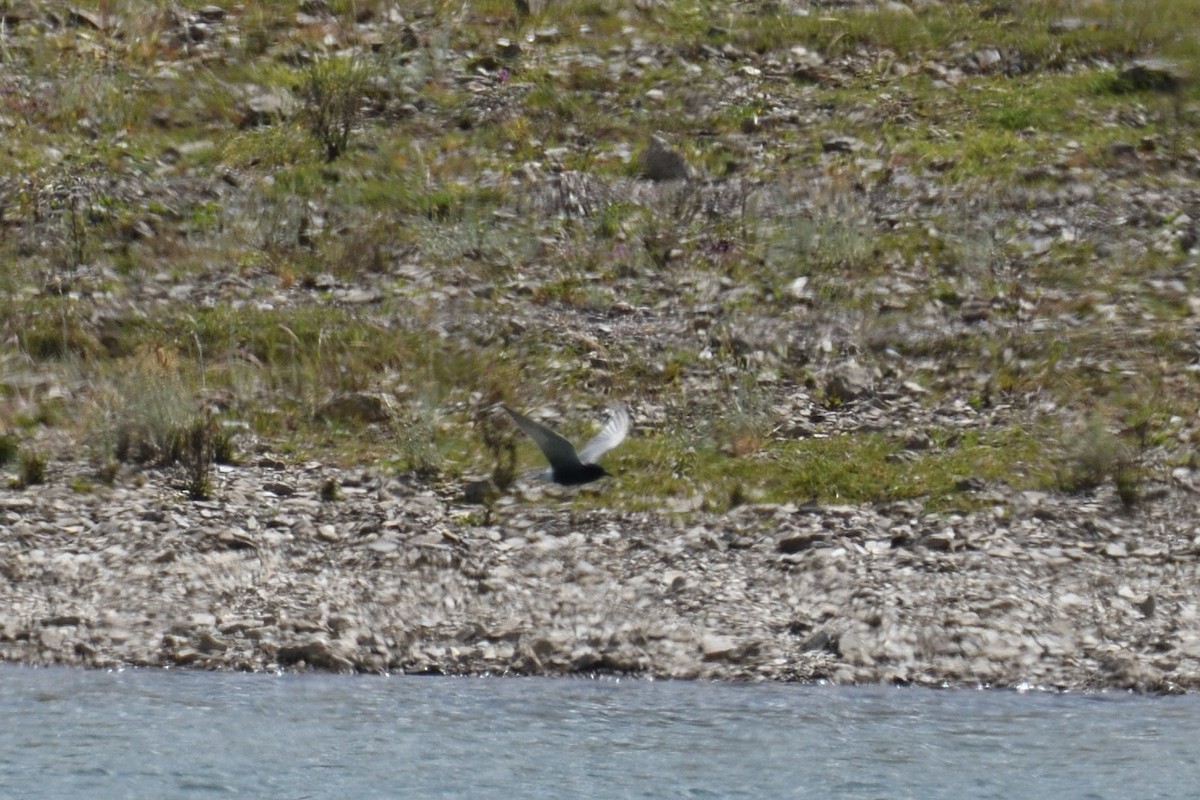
{"x": 1043, "y": 591}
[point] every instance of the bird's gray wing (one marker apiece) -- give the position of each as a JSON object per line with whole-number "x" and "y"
{"x": 611, "y": 435}
{"x": 557, "y": 450}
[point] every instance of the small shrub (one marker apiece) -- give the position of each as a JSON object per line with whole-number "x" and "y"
{"x": 143, "y": 414}
{"x": 746, "y": 425}
{"x": 418, "y": 442}
{"x": 333, "y": 94}
{"x": 1099, "y": 455}
{"x": 331, "y": 491}
{"x": 32, "y": 468}
{"x": 1089, "y": 460}
{"x": 49, "y": 337}
{"x": 197, "y": 444}
{"x": 222, "y": 447}
{"x": 81, "y": 485}
{"x": 1127, "y": 475}
{"x": 500, "y": 442}
{"x": 737, "y": 496}
{"x": 9, "y": 448}
{"x": 107, "y": 471}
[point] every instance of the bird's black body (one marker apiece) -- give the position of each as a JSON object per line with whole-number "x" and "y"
{"x": 567, "y": 467}
{"x": 577, "y": 476}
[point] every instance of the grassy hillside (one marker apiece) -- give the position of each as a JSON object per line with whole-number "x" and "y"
{"x": 929, "y": 252}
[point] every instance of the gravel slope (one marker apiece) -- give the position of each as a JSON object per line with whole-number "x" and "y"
{"x": 1051, "y": 594}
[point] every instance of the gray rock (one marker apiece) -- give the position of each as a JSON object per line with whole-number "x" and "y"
{"x": 714, "y": 647}
{"x": 1152, "y": 74}
{"x": 848, "y": 380}
{"x": 1067, "y": 24}
{"x": 841, "y": 144}
{"x": 660, "y": 162}
{"x": 987, "y": 59}
{"x": 854, "y": 648}
{"x": 942, "y": 541}
{"x": 318, "y": 652}
{"x": 357, "y": 407}
{"x": 819, "y": 641}
{"x": 263, "y": 105}
{"x": 798, "y": 543}
{"x": 1116, "y": 550}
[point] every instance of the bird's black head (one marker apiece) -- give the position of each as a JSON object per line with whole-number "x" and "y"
{"x": 584, "y": 473}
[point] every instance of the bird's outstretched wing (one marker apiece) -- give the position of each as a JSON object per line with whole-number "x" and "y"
{"x": 611, "y": 435}
{"x": 557, "y": 450}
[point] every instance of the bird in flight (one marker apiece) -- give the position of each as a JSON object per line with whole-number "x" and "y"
{"x": 568, "y": 467}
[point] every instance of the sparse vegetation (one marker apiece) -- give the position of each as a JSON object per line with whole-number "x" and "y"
{"x": 10, "y": 447}
{"x": 500, "y": 443}
{"x": 31, "y": 468}
{"x": 419, "y": 451}
{"x": 331, "y": 491}
{"x": 198, "y": 445}
{"x": 978, "y": 201}
{"x": 1092, "y": 458}
{"x": 333, "y": 90}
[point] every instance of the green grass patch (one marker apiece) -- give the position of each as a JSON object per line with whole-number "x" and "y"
{"x": 854, "y": 468}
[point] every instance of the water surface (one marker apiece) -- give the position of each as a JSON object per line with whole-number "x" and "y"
{"x": 176, "y": 734}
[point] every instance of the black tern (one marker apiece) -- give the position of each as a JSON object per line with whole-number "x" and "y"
{"x": 568, "y": 467}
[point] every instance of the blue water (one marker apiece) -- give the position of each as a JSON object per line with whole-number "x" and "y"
{"x": 168, "y": 734}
